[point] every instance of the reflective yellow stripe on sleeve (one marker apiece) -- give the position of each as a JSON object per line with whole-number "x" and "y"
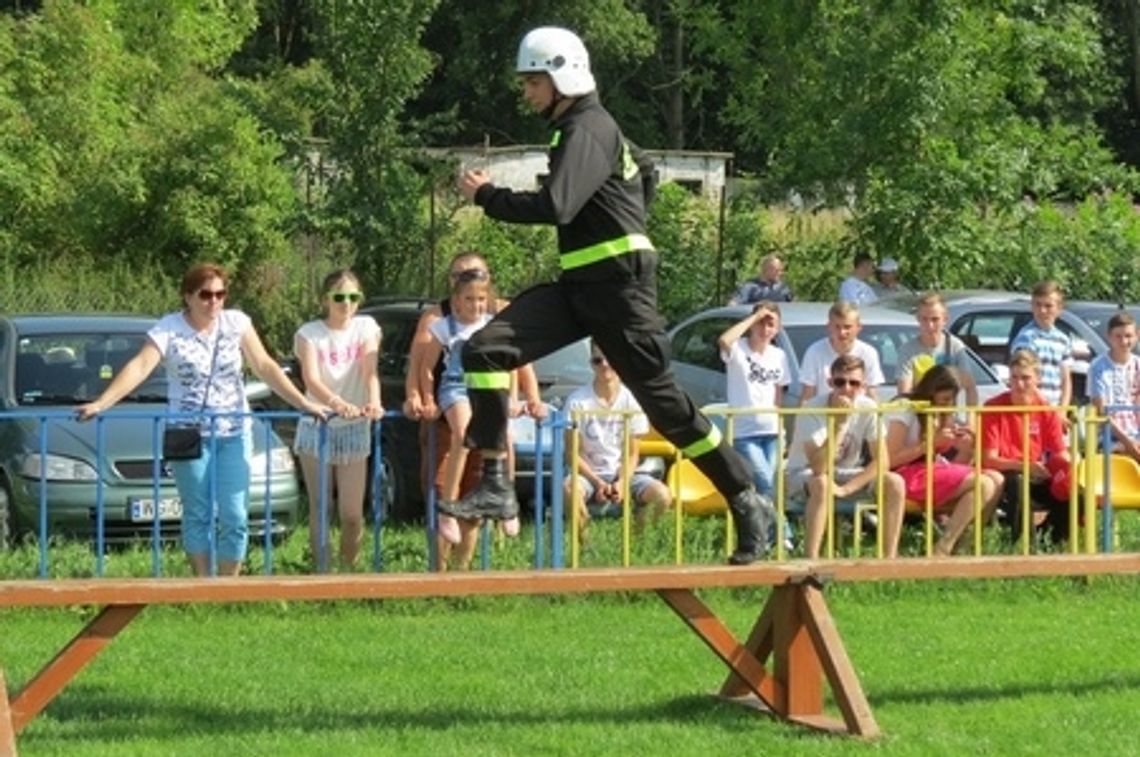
{"x": 488, "y": 380}
{"x": 603, "y": 250}
{"x": 706, "y": 444}
{"x": 555, "y": 138}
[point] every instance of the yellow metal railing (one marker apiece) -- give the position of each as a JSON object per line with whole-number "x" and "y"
{"x": 1089, "y": 422}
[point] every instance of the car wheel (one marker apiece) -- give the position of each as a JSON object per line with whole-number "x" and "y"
{"x": 5, "y": 519}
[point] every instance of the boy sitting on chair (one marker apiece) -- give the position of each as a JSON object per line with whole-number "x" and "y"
{"x": 601, "y": 489}
{"x": 808, "y": 468}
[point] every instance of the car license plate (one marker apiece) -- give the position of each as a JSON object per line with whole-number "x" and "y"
{"x": 142, "y": 510}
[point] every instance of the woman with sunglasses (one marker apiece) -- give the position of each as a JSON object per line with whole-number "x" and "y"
{"x": 338, "y": 355}
{"x": 203, "y": 347}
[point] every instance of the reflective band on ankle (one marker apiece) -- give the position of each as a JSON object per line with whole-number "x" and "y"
{"x": 705, "y": 445}
{"x": 603, "y": 250}
{"x": 489, "y": 380}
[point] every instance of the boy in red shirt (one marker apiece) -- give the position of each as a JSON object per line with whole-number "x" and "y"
{"x": 1003, "y": 449}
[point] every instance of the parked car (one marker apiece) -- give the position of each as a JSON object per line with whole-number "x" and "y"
{"x": 56, "y": 362}
{"x": 700, "y": 371}
{"x": 559, "y": 373}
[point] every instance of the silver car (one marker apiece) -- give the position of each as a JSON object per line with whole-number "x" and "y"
{"x": 700, "y": 371}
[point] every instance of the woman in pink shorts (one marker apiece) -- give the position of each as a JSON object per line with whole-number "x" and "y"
{"x": 952, "y": 482}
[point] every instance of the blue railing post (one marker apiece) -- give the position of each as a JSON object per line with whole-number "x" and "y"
{"x": 539, "y": 493}
{"x": 267, "y": 503}
{"x": 155, "y": 493}
{"x": 322, "y": 556}
{"x": 560, "y": 424}
{"x": 377, "y": 494}
{"x": 43, "y": 496}
{"x": 431, "y": 523}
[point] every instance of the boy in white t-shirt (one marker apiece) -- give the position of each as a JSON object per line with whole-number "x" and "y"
{"x": 809, "y": 471}
{"x": 843, "y": 328}
{"x": 601, "y": 424}
{"x": 756, "y": 372}
{"x": 1114, "y": 379}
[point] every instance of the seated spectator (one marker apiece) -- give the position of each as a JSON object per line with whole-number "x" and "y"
{"x": 769, "y": 285}
{"x": 1114, "y": 379}
{"x": 854, "y": 288}
{"x": 1052, "y": 346}
{"x": 843, "y": 328}
{"x": 601, "y": 489}
{"x": 756, "y": 372}
{"x": 809, "y": 470}
{"x": 935, "y": 346}
{"x": 1003, "y": 449}
{"x": 952, "y": 477}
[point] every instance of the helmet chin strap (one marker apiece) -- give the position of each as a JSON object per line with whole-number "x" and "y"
{"x": 548, "y": 112}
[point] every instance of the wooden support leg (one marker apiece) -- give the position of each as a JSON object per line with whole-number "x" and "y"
{"x": 746, "y": 668}
{"x": 796, "y": 630}
{"x": 837, "y": 666}
{"x": 87, "y": 644}
{"x": 7, "y": 732}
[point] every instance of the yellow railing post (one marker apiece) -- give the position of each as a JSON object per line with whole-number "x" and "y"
{"x": 575, "y": 486}
{"x": 1091, "y": 434}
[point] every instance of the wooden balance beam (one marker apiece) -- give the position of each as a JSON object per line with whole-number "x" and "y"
{"x": 794, "y": 628}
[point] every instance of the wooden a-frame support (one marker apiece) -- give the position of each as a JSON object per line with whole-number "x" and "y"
{"x": 796, "y": 629}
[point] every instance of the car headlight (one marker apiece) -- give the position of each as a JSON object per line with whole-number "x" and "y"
{"x": 280, "y": 461}
{"x": 57, "y": 468}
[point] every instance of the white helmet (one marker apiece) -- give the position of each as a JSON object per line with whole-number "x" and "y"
{"x": 560, "y": 53}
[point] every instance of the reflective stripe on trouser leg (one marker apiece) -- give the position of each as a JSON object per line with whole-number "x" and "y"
{"x": 487, "y": 380}
{"x": 704, "y": 445}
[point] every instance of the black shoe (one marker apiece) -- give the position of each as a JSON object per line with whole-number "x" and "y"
{"x": 493, "y": 498}
{"x": 754, "y": 517}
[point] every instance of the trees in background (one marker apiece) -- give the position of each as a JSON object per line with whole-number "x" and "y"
{"x": 986, "y": 142}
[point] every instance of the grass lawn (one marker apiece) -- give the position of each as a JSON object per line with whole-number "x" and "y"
{"x": 1042, "y": 666}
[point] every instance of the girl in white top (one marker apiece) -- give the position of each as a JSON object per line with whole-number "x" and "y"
{"x": 471, "y": 296}
{"x": 338, "y": 355}
{"x": 756, "y": 374}
{"x": 203, "y": 346}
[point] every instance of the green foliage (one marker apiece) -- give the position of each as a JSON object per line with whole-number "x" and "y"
{"x": 377, "y": 199}
{"x": 684, "y": 231}
{"x": 931, "y": 120}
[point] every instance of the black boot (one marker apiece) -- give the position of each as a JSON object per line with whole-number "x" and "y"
{"x": 493, "y": 498}
{"x": 753, "y": 516}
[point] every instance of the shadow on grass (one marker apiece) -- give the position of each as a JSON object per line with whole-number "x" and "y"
{"x": 964, "y": 694}
{"x": 92, "y": 712}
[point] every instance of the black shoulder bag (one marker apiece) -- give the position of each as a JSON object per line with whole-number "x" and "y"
{"x": 185, "y": 442}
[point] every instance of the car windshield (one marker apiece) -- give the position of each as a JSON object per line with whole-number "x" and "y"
{"x": 71, "y": 369}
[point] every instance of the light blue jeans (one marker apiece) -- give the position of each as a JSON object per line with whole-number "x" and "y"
{"x": 227, "y": 459}
{"x": 760, "y": 452}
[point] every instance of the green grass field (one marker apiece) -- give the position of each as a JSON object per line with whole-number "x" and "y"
{"x": 988, "y": 668}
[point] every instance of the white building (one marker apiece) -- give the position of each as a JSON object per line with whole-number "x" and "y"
{"x": 522, "y": 167}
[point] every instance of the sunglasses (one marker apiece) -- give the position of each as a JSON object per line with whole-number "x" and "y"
{"x": 346, "y": 296}
{"x": 597, "y": 360}
{"x": 205, "y": 295}
{"x": 471, "y": 274}
{"x": 839, "y": 383}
